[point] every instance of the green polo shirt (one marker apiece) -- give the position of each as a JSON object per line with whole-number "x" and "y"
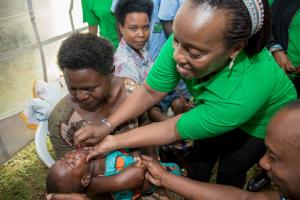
{"x": 245, "y": 97}
{"x": 98, "y": 12}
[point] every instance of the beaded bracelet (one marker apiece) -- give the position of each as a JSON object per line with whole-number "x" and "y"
{"x": 104, "y": 121}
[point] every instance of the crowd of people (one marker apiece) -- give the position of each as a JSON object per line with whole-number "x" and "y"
{"x": 229, "y": 71}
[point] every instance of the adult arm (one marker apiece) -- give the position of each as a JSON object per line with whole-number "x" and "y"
{"x": 154, "y": 134}
{"x": 89, "y": 16}
{"x": 168, "y": 27}
{"x": 112, "y": 9}
{"x": 166, "y": 13}
{"x": 93, "y": 29}
{"x": 198, "y": 190}
{"x": 283, "y": 61}
{"x": 279, "y": 54}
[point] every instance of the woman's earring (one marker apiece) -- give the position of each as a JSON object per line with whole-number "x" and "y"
{"x": 231, "y": 63}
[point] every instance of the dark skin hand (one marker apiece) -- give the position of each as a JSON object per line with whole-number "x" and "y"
{"x": 89, "y": 134}
{"x": 282, "y": 59}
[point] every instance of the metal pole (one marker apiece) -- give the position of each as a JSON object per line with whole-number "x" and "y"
{"x": 37, "y": 36}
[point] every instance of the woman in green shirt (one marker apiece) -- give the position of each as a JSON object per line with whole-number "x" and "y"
{"x": 218, "y": 49}
{"x": 98, "y": 13}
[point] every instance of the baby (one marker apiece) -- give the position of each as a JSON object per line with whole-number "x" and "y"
{"x": 120, "y": 172}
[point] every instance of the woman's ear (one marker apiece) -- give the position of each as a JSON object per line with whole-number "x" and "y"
{"x": 86, "y": 179}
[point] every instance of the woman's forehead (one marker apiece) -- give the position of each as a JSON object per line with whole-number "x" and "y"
{"x": 199, "y": 15}
{"x": 205, "y": 26}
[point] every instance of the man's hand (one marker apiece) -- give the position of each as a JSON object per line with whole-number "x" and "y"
{"x": 91, "y": 134}
{"x": 155, "y": 170}
{"x": 282, "y": 59}
{"x": 71, "y": 196}
{"x": 100, "y": 150}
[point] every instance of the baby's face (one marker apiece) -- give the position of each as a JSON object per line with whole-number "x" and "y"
{"x": 71, "y": 168}
{"x": 73, "y": 165}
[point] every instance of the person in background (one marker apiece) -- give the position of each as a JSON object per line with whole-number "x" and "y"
{"x": 98, "y": 15}
{"x": 157, "y": 36}
{"x": 285, "y": 37}
{"x": 221, "y": 56}
{"x": 131, "y": 58}
{"x": 284, "y": 45}
{"x": 167, "y": 12}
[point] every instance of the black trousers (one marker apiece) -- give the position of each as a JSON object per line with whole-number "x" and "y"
{"x": 236, "y": 151}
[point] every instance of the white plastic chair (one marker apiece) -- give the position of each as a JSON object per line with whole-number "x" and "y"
{"x": 41, "y": 144}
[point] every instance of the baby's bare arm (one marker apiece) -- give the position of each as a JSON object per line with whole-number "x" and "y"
{"x": 130, "y": 179}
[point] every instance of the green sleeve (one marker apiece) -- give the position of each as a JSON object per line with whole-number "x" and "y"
{"x": 87, "y": 13}
{"x": 163, "y": 76}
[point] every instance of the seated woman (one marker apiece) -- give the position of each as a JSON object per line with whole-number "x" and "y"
{"x": 94, "y": 93}
{"x": 119, "y": 172}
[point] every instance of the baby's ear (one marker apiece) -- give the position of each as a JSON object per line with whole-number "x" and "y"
{"x": 85, "y": 181}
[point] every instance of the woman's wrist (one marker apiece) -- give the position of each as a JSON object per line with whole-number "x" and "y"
{"x": 108, "y": 124}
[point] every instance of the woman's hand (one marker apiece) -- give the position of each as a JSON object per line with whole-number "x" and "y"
{"x": 91, "y": 134}
{"x": 71, "y": 196}
{"x": 100, "y": 150}
{"x": 155, "y": 172}
{"x": 282, "y": 59}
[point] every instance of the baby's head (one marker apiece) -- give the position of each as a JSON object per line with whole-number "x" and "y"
{"x": 69, "y": 174}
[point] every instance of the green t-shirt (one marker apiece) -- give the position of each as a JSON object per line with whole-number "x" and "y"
{"x": 98, "y": 12}
{"x": 246, "y": 97}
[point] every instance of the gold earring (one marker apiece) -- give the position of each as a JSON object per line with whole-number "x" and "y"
{"x": 231, "y": 63}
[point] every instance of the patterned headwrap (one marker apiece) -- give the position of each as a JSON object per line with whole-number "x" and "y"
{"x": 256, "y": 11}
